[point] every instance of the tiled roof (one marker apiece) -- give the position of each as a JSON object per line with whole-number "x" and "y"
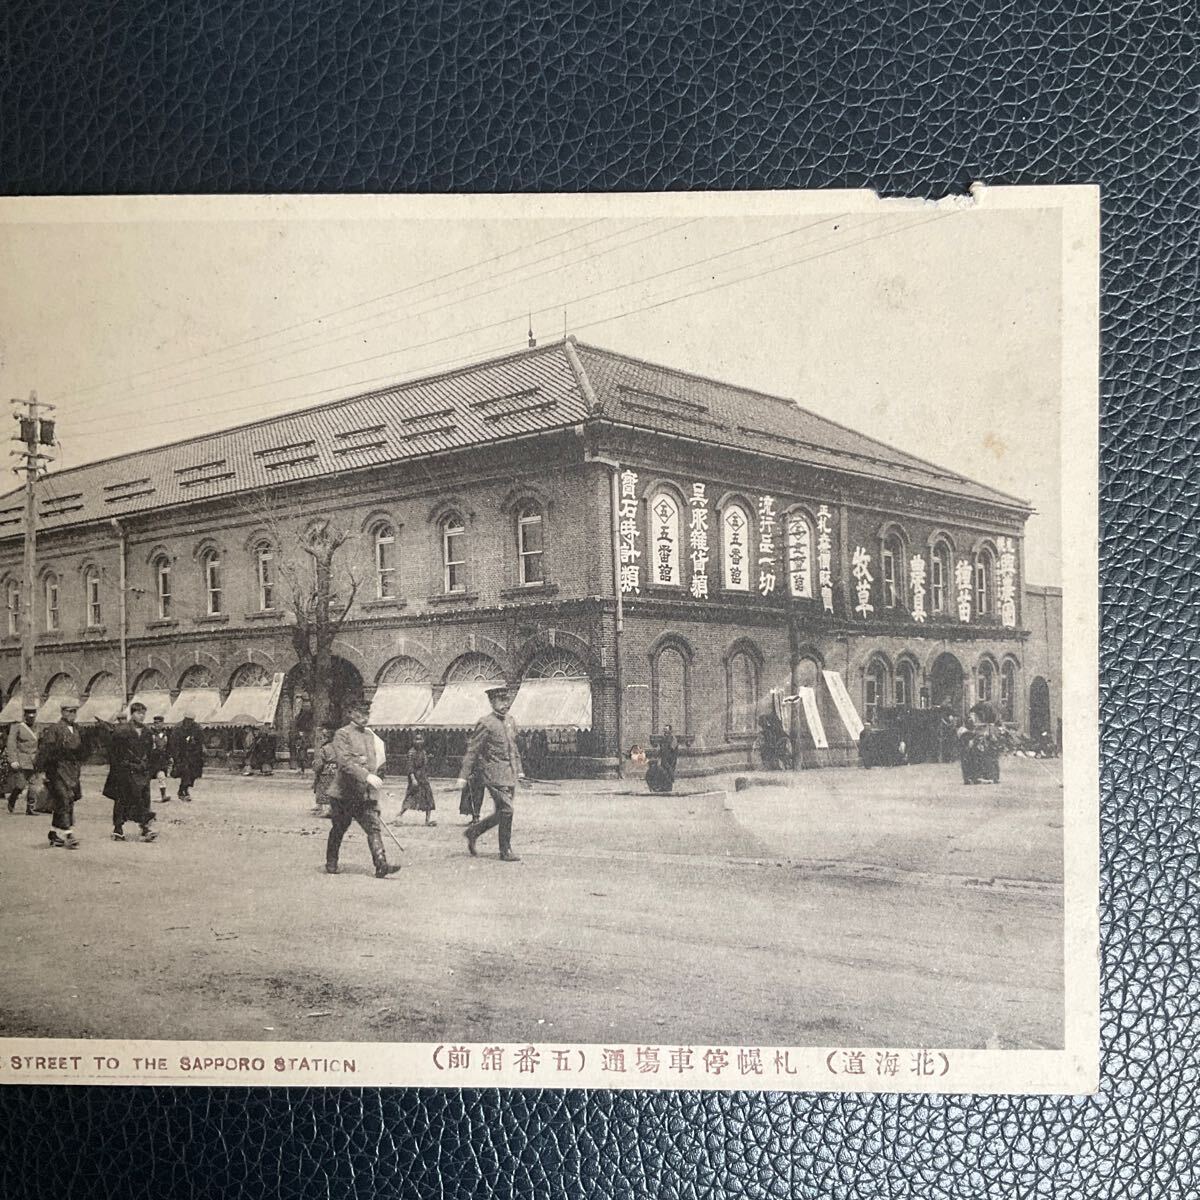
{"x": 526, "y": 392}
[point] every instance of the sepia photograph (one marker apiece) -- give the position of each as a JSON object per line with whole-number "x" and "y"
{"x": 551, "y": 641}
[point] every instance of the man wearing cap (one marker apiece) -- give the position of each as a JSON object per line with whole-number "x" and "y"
{"x": 22, "y": 749}
{"x": 160, "y": 756}
{"x": 130, "y": 748}
{"x": 493, "y": 747}
{"x": 353, "y": 792}
{"x": 60, "y": 754}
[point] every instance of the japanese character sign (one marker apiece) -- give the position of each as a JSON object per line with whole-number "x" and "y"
{"x": 916, "y": 572}
{"x": 631, "y": 571}
{"x": 860, "y": 568}
{"x": 962, "y": 588}
{"x": 766, "y": 544}
{"x": 799, "y": 551}
{"x": 825, "y": 557}
{"x": 737, "y": 533}
{"x": 1008, "y": 586}
{"x": 664, "y": 517}
{"x": 698, "y": 540}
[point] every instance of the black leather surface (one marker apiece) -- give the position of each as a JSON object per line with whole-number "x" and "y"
{"x": 918, "y": 98}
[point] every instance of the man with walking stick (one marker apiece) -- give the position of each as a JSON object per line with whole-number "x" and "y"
{"x": 493, "y": 747}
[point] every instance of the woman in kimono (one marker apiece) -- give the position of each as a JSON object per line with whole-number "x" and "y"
{"x": 419, "y": 794}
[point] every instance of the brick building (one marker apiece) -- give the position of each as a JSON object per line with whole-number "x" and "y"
{"x": 632, "y": 546}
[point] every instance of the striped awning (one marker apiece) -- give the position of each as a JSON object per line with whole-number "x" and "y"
{"x": 157, "y": 703}
{"x": 13, "y": 710}
{"x": 250, "y": 705}
{"x": 553, "y": 704}
{"x": 461, "y": 704}
{"x": 399, "y": 705}
{"x": 201, "y": 704}
{"x": 100, "y": 707}
{"x": 51, "y": 709}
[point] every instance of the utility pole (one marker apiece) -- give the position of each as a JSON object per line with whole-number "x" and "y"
{"x": 35, "y": 431}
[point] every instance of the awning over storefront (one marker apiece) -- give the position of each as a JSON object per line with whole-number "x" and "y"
{"x": 250, "y": 705}
{"x": 461, "y": 705}
{"x": 398, "y": 705}
{"x": 201, "y": 704}
{"x": 553, "y": 704}
{"x": 157, "y": 704}
{"x": 51, "y": 710}
{"x": 11, "y": 712}
{"x": 100, "y": 707}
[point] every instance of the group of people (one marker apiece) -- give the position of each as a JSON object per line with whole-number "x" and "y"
{"x": 139, "y": 756}
{"x": 979, "y": 748}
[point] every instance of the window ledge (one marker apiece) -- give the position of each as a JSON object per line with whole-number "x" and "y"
{"x": 529, "y": 591}
{"x": 453, "y": 598}
{"x": 262, "y": 614}
{"x": 96, "y": 631}
{"x": 213, "y": 619}
{"x": 384, "y": 604}
{"x": 163, "y": 623}
{"x": 50, "y": 635}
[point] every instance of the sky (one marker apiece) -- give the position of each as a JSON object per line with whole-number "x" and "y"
{"x": 933, "y": 328}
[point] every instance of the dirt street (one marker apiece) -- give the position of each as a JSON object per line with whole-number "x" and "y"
{"x": 890, "y": 907}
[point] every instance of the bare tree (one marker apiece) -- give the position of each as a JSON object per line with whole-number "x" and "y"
{"x": 318, "y": 576}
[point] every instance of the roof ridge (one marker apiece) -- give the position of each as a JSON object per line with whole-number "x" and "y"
{"x": 791, "y": 404}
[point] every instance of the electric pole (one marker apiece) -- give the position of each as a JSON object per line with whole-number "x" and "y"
{"x": 36, "y": 431}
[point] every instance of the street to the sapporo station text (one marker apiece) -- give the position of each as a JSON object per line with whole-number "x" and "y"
{"x": 833, "y": 908}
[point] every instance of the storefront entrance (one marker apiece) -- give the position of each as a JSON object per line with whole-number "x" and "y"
{"x": 946, "y": 684}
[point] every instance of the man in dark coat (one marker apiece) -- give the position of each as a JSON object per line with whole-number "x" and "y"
{"x": 187, "y": 755}
{"x": 493, "y": 747}
{"x": 130, "y": 769}
{"x": 60, "y": 754}
{"x": 160, "y": 756}
{"x": 353, "y": 793}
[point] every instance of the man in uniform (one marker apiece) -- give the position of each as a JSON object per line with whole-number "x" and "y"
{"x": 493, "y": 747}
{"x": 160, "y": 755}
{"x": 353, "y": 793}
{"x": 60, "y": 753}
{"x": 22, "y": 748}
{"x": 130, "y": 766}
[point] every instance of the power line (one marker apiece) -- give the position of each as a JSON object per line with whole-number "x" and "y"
{"x": 338, "y": 311}
{"x": 483, "y": 328}
{"x": 349, "y": 391}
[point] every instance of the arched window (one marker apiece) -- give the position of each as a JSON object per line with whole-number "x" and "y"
{"x": 891, "y": 567}
{"x": 384, "y": 541}
{"x": 940, "y": 576}
{"x": 664, "y": 533}
{"x": 985, "y": 583}
{"x": 530, "y": 545}
{"x": 799, "y": 556}
{"x": 454, "y": 553}
{"x": 214, "y": 588}
{"x": 12, "y": 599}
{"x": 1008, "y": 692}
{"x": 50, "y": 591}
{"x": 742, "y": 694}
{"x": 162, "y": 586}
{"x": 875, "y": 689}
{"x": 905, "y": 689}
{"x": 91, "y": 595}
{"x": 985, "y": 687}
{"x": 668, "y": 672}
{"x": 735, "y": 547}
{"x": 264, "y": 563}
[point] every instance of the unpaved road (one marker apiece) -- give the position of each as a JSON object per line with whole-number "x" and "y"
{"x": 849, "y": 907}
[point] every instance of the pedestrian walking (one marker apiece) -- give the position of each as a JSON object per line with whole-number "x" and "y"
{"x": 130, "y": 769}
{"x": 187, "y": 755}
{"x": 60, "y": 754}
{"x": 493, "y": 747}
{"x": 354, "y": 791}
{"x": 324, "y": 769}
{"x": 419, "y": 795}
{"x": 22, "y": 750}
{"x": 160, "y": 756}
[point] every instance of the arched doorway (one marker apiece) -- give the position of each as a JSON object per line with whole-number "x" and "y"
{"x": 1039, "y": 708}
{"x": 946, "y": 684}
{"x": 345, "y": 685}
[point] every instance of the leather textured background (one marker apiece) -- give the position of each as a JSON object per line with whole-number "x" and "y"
{"x": 921, "y": 98}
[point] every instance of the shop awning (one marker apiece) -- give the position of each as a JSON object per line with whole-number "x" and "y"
{"x": 398, "y": 705}
{"x": 461, "y": 705}
{"x": 100, "y": 707}
{"x": 201, "y": 704}
{"x": 553, "y": 704}
{"x": 51, "y": 710}
{"x": 247, "y": 706}
{"x": 11, "y": 713}
{"x": 157, "y": 704}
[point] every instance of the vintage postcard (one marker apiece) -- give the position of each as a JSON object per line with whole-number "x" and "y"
{"x": 625, "y": 641}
